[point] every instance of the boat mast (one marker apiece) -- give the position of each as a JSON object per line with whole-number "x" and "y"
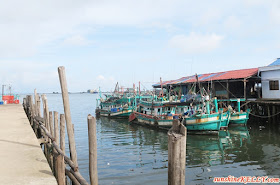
{"x": 161, "y": 92}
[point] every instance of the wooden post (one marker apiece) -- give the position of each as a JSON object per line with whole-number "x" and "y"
{"x": 38, "y": 110}
{"x": 46, "y": 111}
{"x": 62, "y": 132}
{"x": 245, "y": 83}
{"x": 273, "y": 113}
{"x": 30, "y": 111}
{"x": 177, "y": 137}
{"x": 56, "y": 130}
{"x": 61, "y": 174}
{"x": 60, "y": 170}
{"x": 268, "y": 113}
{"x": 46, "y": 122}
{"x": 52, "y": 154}
{"x": 35, "y": 101}
{"x": 34, "y": 126}
{"x": 65, "y": 97}
{"x": 213, "y": 89}
{"x": 92, "y": 143}
{"x": 227, "y": 90}
{"x": 56, "y": 137}
{"x": 51, "y": 123}
{"x": 38, "y": 107}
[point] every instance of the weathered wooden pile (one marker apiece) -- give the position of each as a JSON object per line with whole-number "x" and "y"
{"x": 50, "y": 131}
{"x": 51, "y": 135}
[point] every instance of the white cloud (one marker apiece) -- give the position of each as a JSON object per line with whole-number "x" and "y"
{"x": 275, "y": 12}
{"x": 76, "y": 40}
{"x": 100, "y": 77}
{"x": 196, "y": 43}
{"x": 25, "y": 76}
{"x": 25, "y": 26}
{"x": 232, "y": 23}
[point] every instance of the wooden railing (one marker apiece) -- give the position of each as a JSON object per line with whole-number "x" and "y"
{"x": 52, "y": 137}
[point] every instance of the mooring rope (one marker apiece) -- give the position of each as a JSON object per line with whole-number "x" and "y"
{"x": 264, "y": 116}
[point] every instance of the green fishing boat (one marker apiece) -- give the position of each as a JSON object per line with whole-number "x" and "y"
{"x": 120, "y": 104}
{"x": 208, "y": 121}
{"x": 238, "y": 116}
{"x": 154, "y": 113}
{"x": 162, "y": 113}
{"x": 115, "y": 107}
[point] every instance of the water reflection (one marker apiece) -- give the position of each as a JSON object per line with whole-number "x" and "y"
{"x": 212, "y": 150}
{"x": 237, "y": 151}
{"x": 130, "y": 151}
{"x": 133, "y": 154}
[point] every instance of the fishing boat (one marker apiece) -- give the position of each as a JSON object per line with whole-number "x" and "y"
{"x": 120, "y": 104}
{"x": 207, "y": 120}
{"x": 193, "y": 109}
{"x": 195, "y": 116}
{"x": 115, "y": 106}
{"x": 154, "y": 113}
{"x": 8, "y": 98}
{"x": 238, "y": 116}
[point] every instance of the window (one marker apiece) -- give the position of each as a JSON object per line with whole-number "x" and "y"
{"x": 274, "y": 85}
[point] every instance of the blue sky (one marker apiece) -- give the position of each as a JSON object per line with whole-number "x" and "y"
{"x": 127, "y": 41}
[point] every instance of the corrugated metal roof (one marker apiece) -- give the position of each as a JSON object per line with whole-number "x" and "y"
{"x": 275, "y": 63}
{"x": 227, "y": 75}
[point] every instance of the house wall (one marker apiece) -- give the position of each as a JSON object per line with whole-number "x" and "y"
{"x": 266, "y": 76}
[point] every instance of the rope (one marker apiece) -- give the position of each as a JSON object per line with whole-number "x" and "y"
{"x": 264, "y": 116}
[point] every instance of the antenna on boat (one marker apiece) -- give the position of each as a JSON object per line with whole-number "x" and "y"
{"x": 200, "y": 90}
{"x": 116, "y": 87}
{"x": 161, "y": 92}
{"x": 139, "y": 89}
{"x": 100, "y": 93}
{"x": 134, "y": 90}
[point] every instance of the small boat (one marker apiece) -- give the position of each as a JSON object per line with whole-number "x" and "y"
{"x": 120, "y": 104}
{"x": 8, "y": 98}
{"x": 115, "y": 107}
{"x": 238, "y": 116}
{"x": 208, "y": 121}
{"x": 154, "y": 113}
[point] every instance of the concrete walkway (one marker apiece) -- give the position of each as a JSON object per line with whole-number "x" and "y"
{"x": 21, "y": 157}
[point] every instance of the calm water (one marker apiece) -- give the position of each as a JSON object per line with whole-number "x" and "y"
{"x": 132, "y": 154}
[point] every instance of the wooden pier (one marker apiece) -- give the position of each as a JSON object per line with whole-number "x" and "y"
{"x": 33, "y": 144}
{"x": 21, "y": 157}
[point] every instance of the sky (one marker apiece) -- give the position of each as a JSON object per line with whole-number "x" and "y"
{"x": 102, "y": 42}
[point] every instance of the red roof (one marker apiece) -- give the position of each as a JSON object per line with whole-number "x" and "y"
{"x": 235, "y": 74}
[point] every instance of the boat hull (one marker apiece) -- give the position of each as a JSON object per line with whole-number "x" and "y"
{"x": 239, "y": 118}
{"x": 152, "y": 121}
{"x": 207, "y": 122}
{"x": 120, "y": 114}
